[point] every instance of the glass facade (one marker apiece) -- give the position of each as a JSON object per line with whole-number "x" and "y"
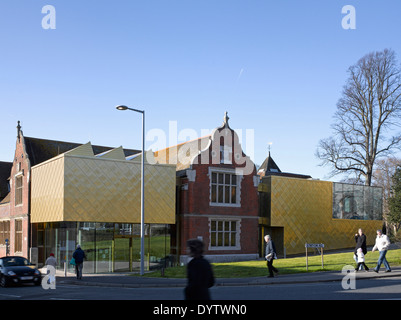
{"x": 357, "y": 202}
{"x": 109, "y": 247}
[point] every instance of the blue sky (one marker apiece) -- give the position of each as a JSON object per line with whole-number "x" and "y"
{"x": 277, "y": 67}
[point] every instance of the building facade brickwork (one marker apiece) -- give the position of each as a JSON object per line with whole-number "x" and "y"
{"x": 217, "y": 196}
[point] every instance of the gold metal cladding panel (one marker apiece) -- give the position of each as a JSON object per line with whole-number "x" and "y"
{"x": 47, "y": 189}
{"x": 110, "y": 191}
{"x": 304, "y": 209}
{"x": 76, "y": 188}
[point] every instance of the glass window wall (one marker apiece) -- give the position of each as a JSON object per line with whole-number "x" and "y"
{"x": 109, "y": 247}
{"x": 357, "y": 202}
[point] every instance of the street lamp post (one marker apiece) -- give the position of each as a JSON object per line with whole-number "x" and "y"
{"x": 121, "y": 107}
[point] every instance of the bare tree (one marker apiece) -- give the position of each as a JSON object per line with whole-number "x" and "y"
{"x": 383, "y": 177}
{"x": 368, "y": 110}
{"x": 394, "y": 202}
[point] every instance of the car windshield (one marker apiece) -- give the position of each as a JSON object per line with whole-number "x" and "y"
{"x": 15, "y": 261}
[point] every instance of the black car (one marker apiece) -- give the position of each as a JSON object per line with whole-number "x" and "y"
{"x": 18, "y": 270}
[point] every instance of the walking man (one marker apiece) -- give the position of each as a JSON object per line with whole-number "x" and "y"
{"x": 382, "y": 244}
{"x": 270, "y": 255}
{"x": 199, "y": 273}
{"x": 79, "y": 256}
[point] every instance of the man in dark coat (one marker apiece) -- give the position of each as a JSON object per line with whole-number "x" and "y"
{"x": 199, "y": 273}
{"x": 79, "y": 256}
{"x": 270, "y": 255}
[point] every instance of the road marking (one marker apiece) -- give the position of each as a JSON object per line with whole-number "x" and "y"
{"x": 67, "y": 286}
{"x": 10, "y": 295}
{"x": 63, "y": 299}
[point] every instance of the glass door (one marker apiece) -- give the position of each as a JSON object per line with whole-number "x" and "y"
{"x": 122, "y": 254}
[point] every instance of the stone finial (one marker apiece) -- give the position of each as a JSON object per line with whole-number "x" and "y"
{"x": 225, "y": 119}
{"x": 19, "y": 129}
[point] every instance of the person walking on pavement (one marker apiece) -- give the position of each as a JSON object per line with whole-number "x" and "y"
{"x": 51, "y": 261}
{"x": 382, "y": 244}
{"x": 79, "y": 256}
{"x": 361, "y": 260}
{"x": 199, "y": 273}
{"x": 360, "y": 239}
{"x": 270, "y": 255}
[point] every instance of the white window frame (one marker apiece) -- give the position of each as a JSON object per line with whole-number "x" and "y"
{"x": 238, "y": 187}
{"x": 237, "y": 233}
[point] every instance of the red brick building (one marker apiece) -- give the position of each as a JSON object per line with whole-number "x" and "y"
{"x": 217, "y": 197}
{"x": 14, "y": 207}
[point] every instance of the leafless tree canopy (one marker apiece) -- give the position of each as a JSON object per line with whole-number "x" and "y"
{"x": 369, "y": 109}
{"x": 383, "y": 174}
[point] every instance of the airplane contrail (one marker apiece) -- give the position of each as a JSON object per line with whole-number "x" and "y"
{"x": 240, "y": 74}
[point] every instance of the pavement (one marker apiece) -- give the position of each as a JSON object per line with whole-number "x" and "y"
{"x": 131, "y": 280}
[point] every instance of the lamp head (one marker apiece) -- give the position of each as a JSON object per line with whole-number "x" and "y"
{"x": 121, "y": 107}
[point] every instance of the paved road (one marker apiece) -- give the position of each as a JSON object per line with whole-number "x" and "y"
{"x": 380, "y": 288}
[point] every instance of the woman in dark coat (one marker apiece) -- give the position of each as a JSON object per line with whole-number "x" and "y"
{"x": 199, "y": 273}
{"x": 360, "y": 240}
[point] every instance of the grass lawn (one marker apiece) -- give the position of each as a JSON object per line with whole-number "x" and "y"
{"x": 257, "y": 268}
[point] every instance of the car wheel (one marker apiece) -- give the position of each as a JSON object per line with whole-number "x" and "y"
{"x": 3, "y": 282}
